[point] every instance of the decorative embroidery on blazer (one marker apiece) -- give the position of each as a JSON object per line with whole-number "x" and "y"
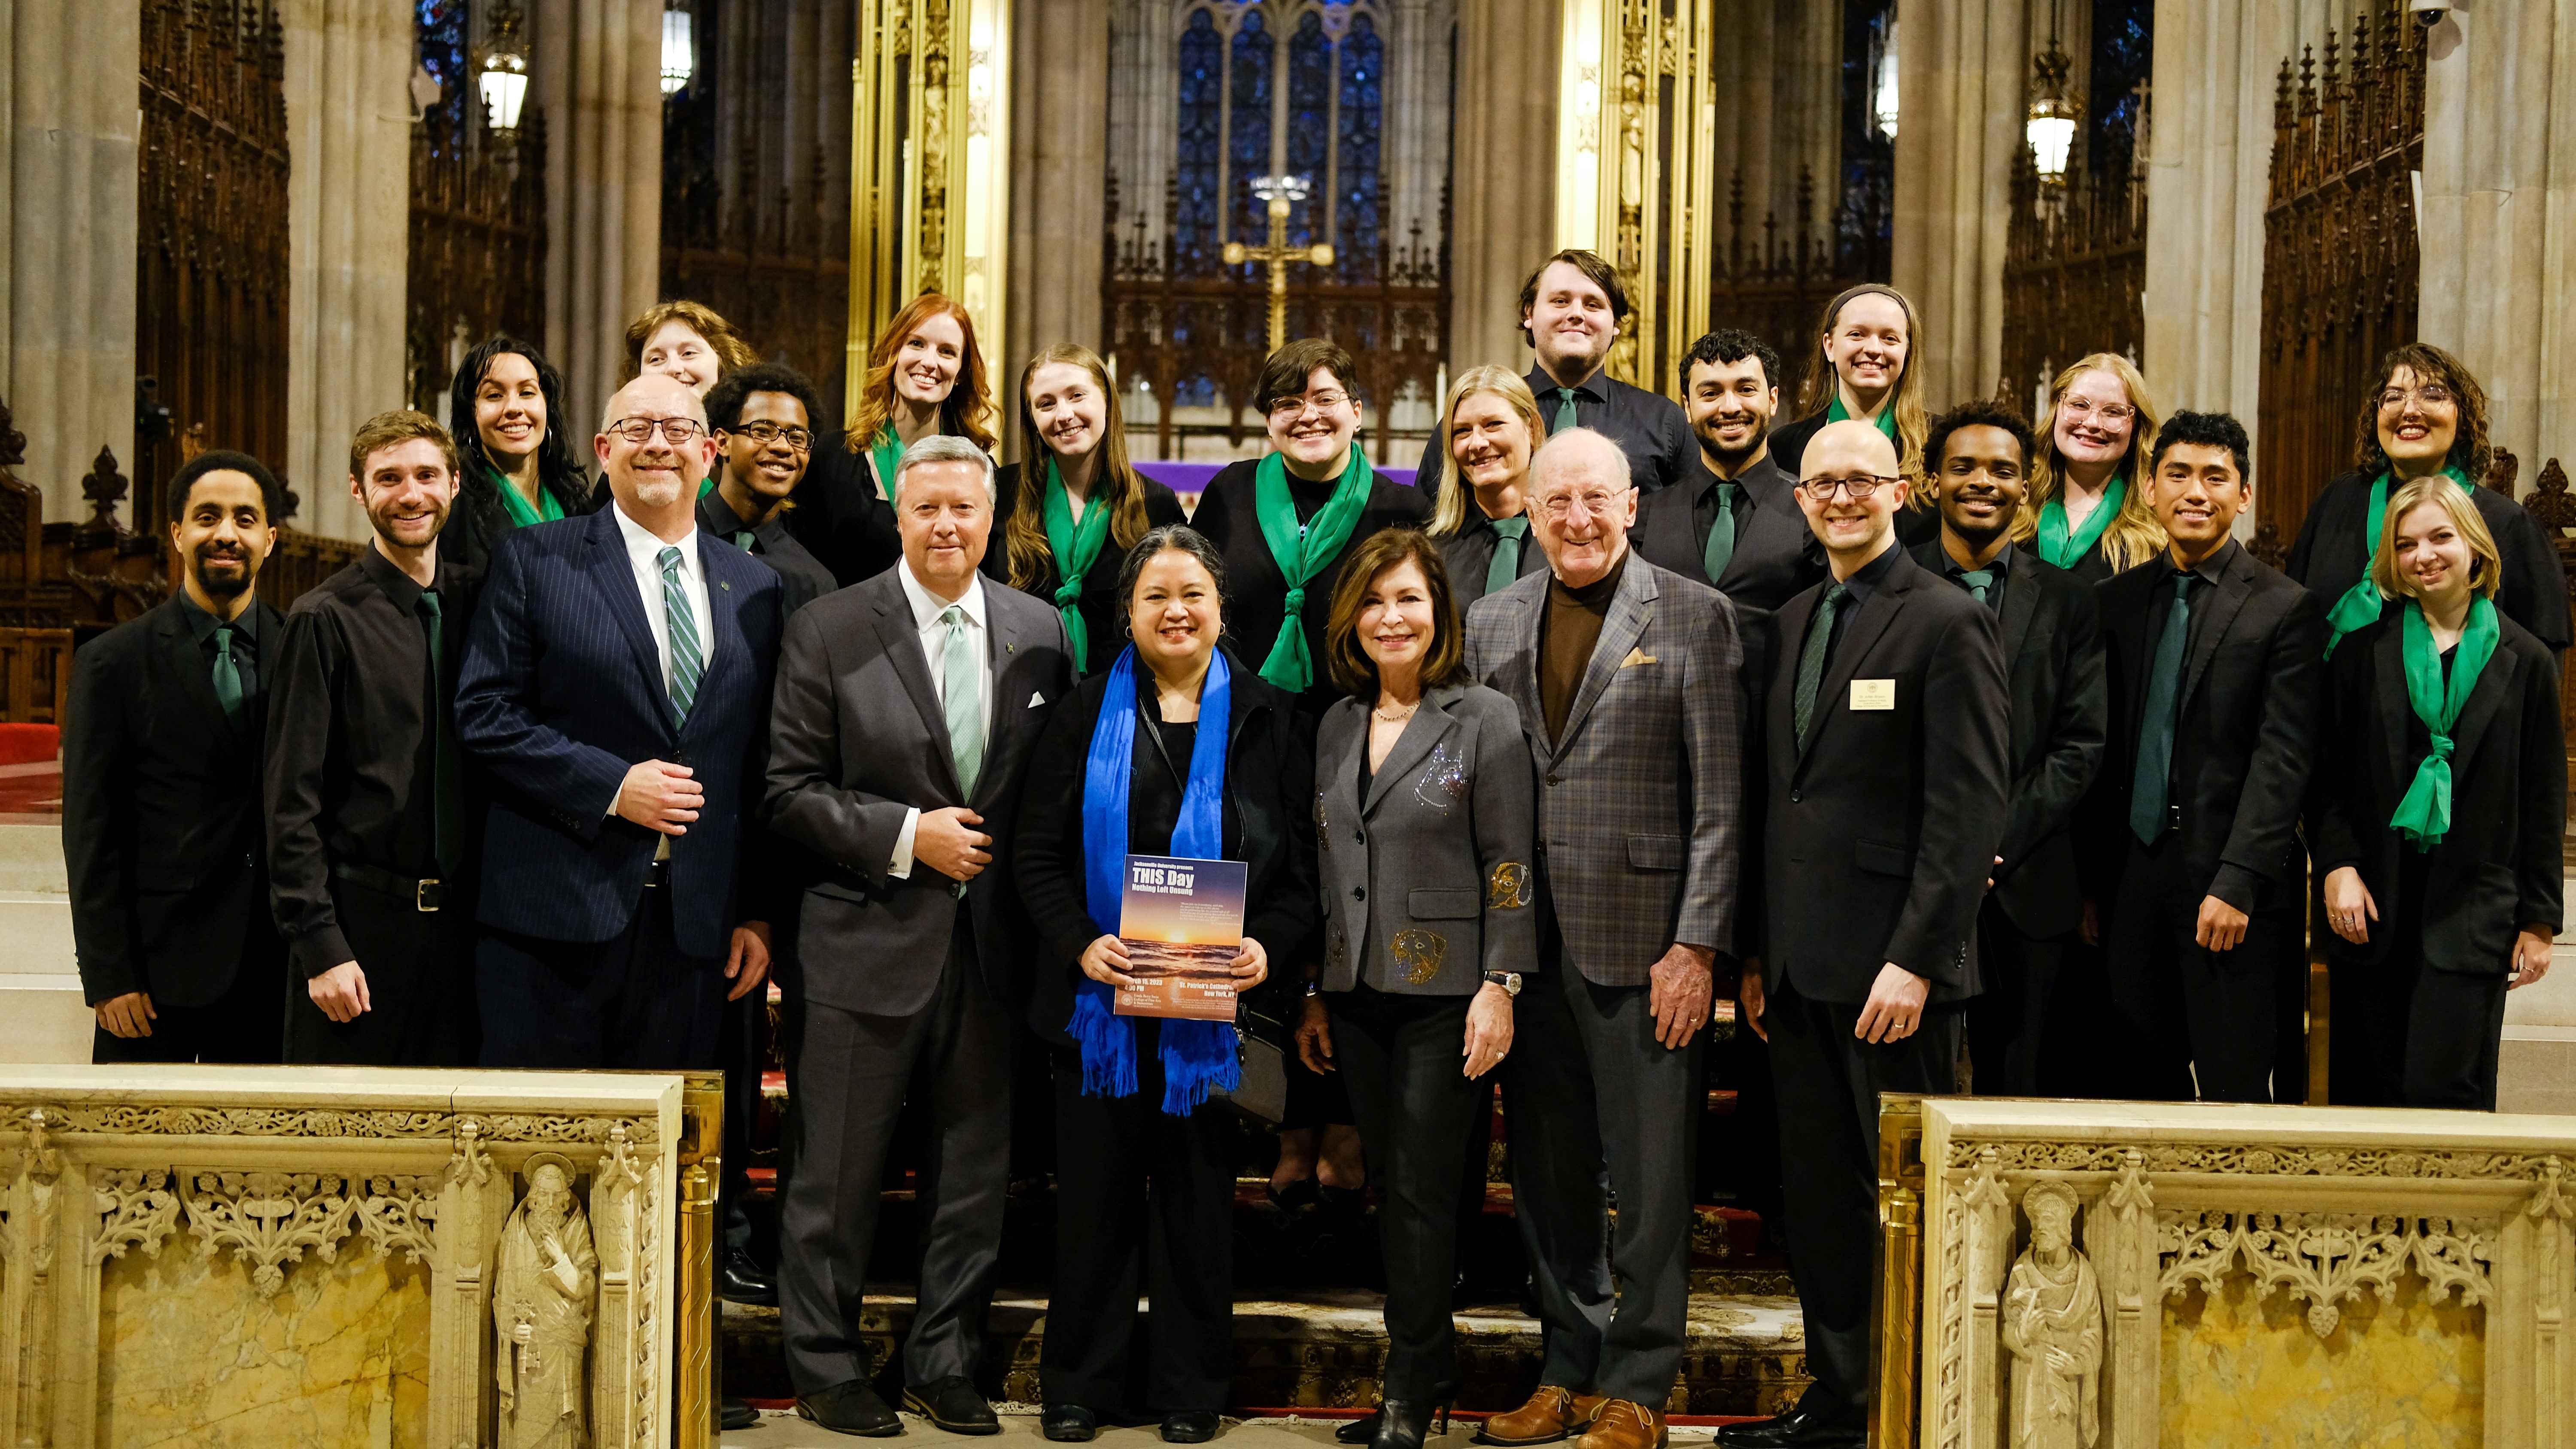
{"x": 1508, "y": 888}
{"x": 1443, "y": 781}
{"x": 1420, "y": 953}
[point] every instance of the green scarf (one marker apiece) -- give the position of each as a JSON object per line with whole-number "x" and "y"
{"x": 1303, "y": 552}
{"x": 2424, "y": 816}
{"x": 2360, "y": 603}
{"x": 885, "y": 455}
{"x": 521, "y": 515}
{"x": 1076, "y": 547}
{"x": 1885, "y": 422}
{"x": 2062, "y": 549}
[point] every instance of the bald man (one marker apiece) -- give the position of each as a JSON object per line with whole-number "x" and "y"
{"x": 616, "y": 687}
{"x": 1886, "y": 799}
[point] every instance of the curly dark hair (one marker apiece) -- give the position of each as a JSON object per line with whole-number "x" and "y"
{"x": 1981, "y": 413}
{"x": 2470, "y": 452}
{"x": 2214, "y": 430}
{"x": 1728, "y": 345}
{"x": 725, "y": 399}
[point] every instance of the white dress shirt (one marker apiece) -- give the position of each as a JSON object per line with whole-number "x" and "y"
{"x": 926, "y": 609}
{"x": 644, "y": 555}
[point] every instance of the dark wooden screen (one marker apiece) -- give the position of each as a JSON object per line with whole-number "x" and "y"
{"x": 1773, "y": 278}
{"x": 477, "y": 264}
{"x": 776, "y": 268}
{"x": 2340, "y": 263}
{"x": 2075, "y": 270}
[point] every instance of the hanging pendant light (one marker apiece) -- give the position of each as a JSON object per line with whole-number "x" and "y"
{"x": 679, "y": 47}
{"x": 2054, "y": 111}
{"x": 501, "y": 71}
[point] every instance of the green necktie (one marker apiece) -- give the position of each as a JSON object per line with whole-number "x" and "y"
{"x": 1811, "y": 659}
{"x": 1505, "y": 570}
{"x": 1977, "y": 581}
{"x": 687, "y": 664}
{"x": 2148, "y": 787}
{"x": 742, "y": 539}
{"x": 961, "y": 686}
{"x": 1564, "y": 411}
{"x": 447, "y": 807}
{"x": 228, "y": 680}
{"x": 1720, "y": 549}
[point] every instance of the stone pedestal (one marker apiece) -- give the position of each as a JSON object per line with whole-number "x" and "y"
{"x": 68, "y": 216}
{"x": 1502, "y": 201}
{"x": 595, "y": 66}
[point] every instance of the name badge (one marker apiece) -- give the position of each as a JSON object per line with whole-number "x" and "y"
{"x": 1873, "y": 694}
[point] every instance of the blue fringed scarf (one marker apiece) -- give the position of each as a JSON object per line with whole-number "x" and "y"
{"x": 1198, "y": 1056}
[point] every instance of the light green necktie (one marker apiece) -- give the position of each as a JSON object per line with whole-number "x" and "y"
{"x": 961, "y": 679}
{"x": 1564, "y": 411}
{"x": 687, "y": 664}
{"x": 1505, "y": 570}
{"x": 1979, "y": 582}
{"x": 228, "y": 680}
{"x": 1720, "y": 549}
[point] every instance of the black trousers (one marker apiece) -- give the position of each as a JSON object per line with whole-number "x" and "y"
{"x": 420, "y": 986}
{"x": 2190, "y": 1021}
{"x": 1829, "y": 1085}
{"x": 2406, "y": 1036}
{"x": 1587, "y": 1087}
{"x": 848, "y": 1076}
{"x": 1144, "y": 1201}
{"x": 2008, "y": 1018}
{"x": 244, "y": 1024}
{"x": 635, "y": 1002}
{"x": 1403, "y": 1059}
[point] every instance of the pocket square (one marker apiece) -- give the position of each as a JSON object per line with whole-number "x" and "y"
{"x": 1635, "y": 658}
{"x": 1036, "y": 698}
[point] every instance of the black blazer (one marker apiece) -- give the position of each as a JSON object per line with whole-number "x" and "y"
{"x": 2060, "y": 712}
{"x": 840, "y": 518}
{"x": 1877, "y": 836}
{"x": 2500, "y": 867}
{"x": 1269, "y": 794}
{"x": 164, "y": 837}
{"x": 2244, "y": 740}
{"x": 2329, "y": 556}
{"x": 1104, "y": 616}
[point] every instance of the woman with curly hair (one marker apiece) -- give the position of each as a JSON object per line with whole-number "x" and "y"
{"x": 924, "y": 375}
{"x": 2087, "y": 511}
{"x": 516, "y": 465}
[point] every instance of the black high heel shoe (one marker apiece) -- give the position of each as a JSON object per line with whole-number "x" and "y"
{"x": 1403, "y": 1425}
{"x": 1361, "y": 1430}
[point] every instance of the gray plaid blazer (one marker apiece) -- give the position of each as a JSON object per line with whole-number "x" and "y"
{"x": 1641, "y": 804}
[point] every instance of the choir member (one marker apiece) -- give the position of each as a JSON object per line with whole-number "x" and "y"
{"x": 2087, "y": 509}
{"x": 515, "y": 463}
{"x": 1479, "y": 521}
{"x": 923, "y": 376}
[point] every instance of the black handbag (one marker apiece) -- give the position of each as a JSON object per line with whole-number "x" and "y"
{"x": 1261, "y": 1045}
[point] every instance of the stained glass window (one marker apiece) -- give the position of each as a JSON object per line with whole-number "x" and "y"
{"x": 1310, "y": 121}
{"x": 1196, "y": 170}
{"x": 1248, "y": 121}
{"x": 440, "y": 26}
{"x": 1356, "y": 214}
{"x": 2123, "y": 55}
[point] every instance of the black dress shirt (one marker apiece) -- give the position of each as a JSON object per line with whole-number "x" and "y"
{"x": 246, "y": 640}
{"x": 352, "y": 736}
{"x": 773, "y": 544}
{"x": 1104, "y": 614}
{"x": 1469, "y": 554}
{"x": 2000, "y": 566}
{"x": 1647, "y": 426}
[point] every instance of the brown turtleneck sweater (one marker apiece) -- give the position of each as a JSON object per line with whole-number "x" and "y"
{"x": 1568, "y": 630}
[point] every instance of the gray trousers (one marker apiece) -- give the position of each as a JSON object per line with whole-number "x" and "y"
{"x": 848, "y": 1077}
{"x": 1587, "y": 1088}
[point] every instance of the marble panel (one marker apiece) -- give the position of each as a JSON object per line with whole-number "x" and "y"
{"x": 2244, "y": 1369}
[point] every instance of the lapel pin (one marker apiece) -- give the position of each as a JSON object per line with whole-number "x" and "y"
{"x": 725, "y": 584}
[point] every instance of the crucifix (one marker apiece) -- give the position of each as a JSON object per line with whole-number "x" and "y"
{"x": 1283, "y": 193}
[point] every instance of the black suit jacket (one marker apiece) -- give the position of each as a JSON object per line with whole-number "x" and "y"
{"x": 2060, "y": 712}
{"x": 2330, "y": 556}
{"x": 1877, "y": 836}
{"x": 841, "y": 519}
{"x": 164, "y": 837}
{"x": 2500, "y": 867}
{"x": 2245, "y": 737}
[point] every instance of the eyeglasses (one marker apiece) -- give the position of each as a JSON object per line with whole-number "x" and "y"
{"x": 1556, "y": 506}
{"x": 680, "y": 431}
{"x": 2113, "y": 414}
{"x": 765, "y": 433}
{"x": 1856, "y": 489}
{"x": 1322, "y": 402}
{"x": 2431, "y": 395}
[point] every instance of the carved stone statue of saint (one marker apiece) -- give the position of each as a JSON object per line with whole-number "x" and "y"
{"x": 542, "y": 1298}
{"x": 2053, "y": 1326}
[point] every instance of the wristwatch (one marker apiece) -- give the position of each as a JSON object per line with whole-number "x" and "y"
{"x": 1314, "y": 987}
{"x": 1510, "y": 981}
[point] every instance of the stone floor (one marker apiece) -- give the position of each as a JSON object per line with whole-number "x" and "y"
{"x": 783, "y": 1430}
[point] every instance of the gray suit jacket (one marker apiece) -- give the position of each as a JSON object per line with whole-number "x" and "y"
{"x": 1640, "y": 805}
{"x": 1438, "y": 855}
{"x": 857, "y": 741}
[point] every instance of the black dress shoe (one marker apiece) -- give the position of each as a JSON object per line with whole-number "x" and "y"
{"x": 1190, "y": 1426}
{"x": 851, "y": 1408}
{"x": 1360, "y": 1430}
{"x": 952, "y": 1403}
{"x": 1069, "y": 1424}
{"x": 741, "y": 1279}
{"x": 735, "y": 1414}
{"x": 1803, "y": 1427}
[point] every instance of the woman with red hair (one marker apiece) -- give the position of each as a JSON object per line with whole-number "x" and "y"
{"x": 925, "y": 375}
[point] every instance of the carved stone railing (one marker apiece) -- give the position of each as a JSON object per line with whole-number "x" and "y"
{"x": 315, "y": 1255}
{"x": 2126, "y": 1273}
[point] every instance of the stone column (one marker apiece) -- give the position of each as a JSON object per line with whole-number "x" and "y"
{"x": 2498, "y": 219}
{"x": 1143, "y": 110}
{"x": 348, "y": 122}
{"x": 1503, "y": 197}
{"x": 68, "y": 220}
{"x": 596, "y": 68}
{"x": 1962, "y": 77}
{"x": 1810, "y": 98}
{"x": 1416, "y": 91}
{"x": 1059, "y": 135}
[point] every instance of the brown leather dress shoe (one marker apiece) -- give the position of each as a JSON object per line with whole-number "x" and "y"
{"x": 1624, "y": 1424}
{"x": 1552, "y": 1413}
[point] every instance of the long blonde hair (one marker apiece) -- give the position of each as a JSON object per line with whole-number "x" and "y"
{"x": 1115, "y": 485}
{"x": 1449, "y": 512}
{"x": 968, "y": 410}
{"x": 2132, "y": 536}
{"x": 2486, "y": 566}
{"x": 1820, "y": 388}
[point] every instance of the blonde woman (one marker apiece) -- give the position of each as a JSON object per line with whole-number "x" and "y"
{"x": 2087, "y": 511}
{"x": 1864, "y": 369}
{"x": 1490, "y": 425}
{"x": 2442, "y": 794}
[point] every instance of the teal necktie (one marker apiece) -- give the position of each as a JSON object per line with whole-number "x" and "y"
{"x": 228, "y": 680}
{"x": 447, "y": 807}
{"x": 961, "y": 679}
{"x": 1564, "y": 411}
{"x": 1979, "y": 582}
{"x": 1720, "y": 549}
{"x": 1811, "y": 659}
{"x": 2148, "y": 787}
{"x": 1505, "y": 570}
{"x": 687, "y": 664}
{"x": 742, "y": 539}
